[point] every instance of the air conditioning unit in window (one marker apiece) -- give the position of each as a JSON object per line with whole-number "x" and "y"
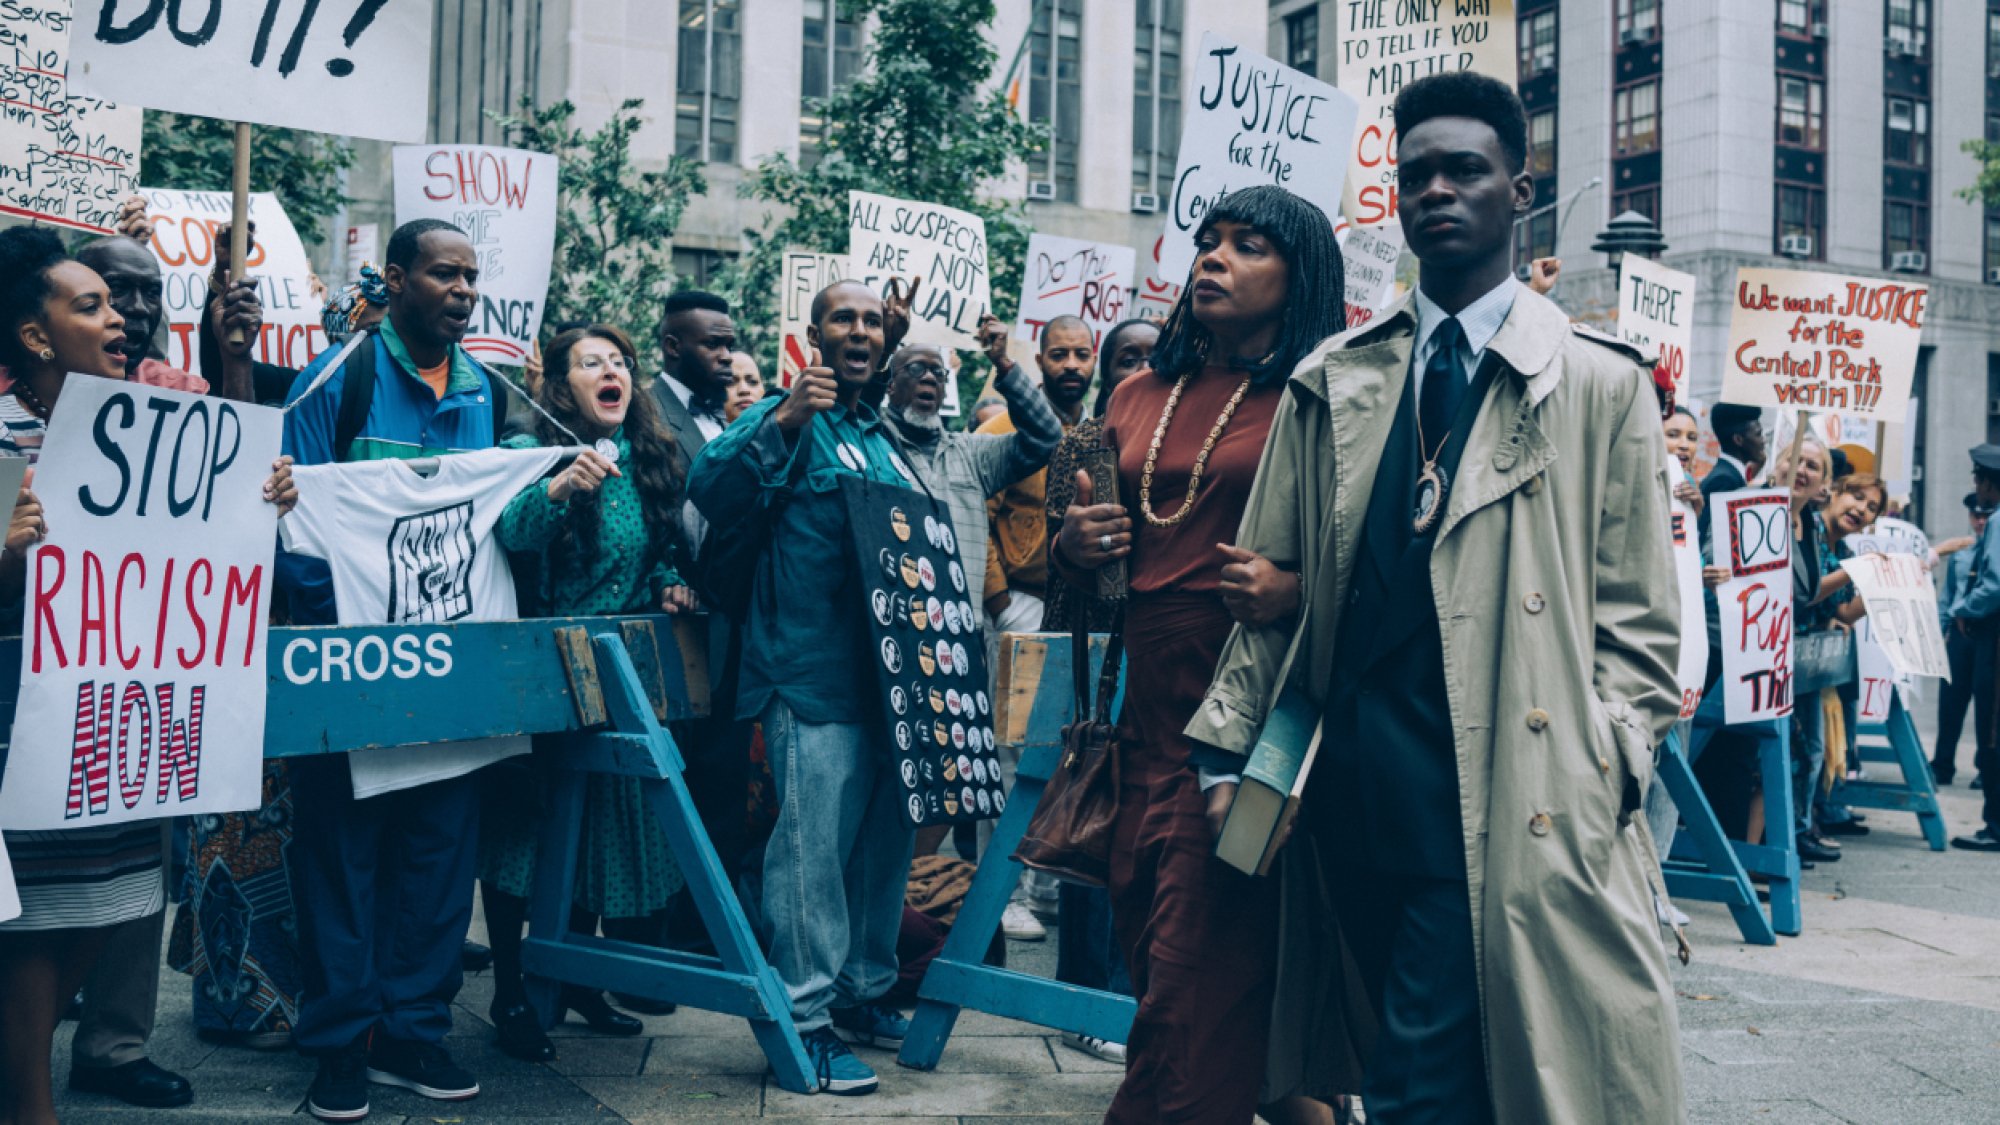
{"x": 1818, "y": 29}
{"x": 1909, "y": 261}
{"x": 1993, "y": 277}
{"x": 1796, "y": 246}
{"x": 1632, "y": 37}
{"x": 1145, "y": 203}
{"x": 1041, "y": 189}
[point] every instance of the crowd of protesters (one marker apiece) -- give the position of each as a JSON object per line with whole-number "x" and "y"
{"x": 1411, "y": 524}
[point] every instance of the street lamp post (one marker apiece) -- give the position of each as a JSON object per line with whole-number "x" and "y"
{"x": 1629, "y": 233}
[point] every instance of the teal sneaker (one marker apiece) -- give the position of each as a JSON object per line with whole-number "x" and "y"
{"x": 838, "y": 1070}
{"x": 871, "y": 1025}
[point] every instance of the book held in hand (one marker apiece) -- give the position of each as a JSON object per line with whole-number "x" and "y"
{"x": 1274, "y": 781}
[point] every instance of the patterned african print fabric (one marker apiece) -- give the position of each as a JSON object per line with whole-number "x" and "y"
{"x": 236, "y": 932}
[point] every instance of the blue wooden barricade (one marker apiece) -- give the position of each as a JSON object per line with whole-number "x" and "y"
{"x": 1900, "y": 746}
{"x": 1705, "y": 864}
{"x": 1698, "y": 869}
{"x": 1033, "y": 687}
{"x": 609, "y": 684}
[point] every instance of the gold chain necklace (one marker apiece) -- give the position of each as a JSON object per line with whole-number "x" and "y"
{"x": 1200, "y": 460}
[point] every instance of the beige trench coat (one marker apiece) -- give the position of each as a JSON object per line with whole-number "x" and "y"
{"x": 1560, "y": 619}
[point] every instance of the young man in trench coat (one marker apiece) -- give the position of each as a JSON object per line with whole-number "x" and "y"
{"x": 1472, "y": 494}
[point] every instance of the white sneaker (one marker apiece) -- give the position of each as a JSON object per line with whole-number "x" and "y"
{"x": 1019, "y": 924}
{"x": 1095, "y": 1047}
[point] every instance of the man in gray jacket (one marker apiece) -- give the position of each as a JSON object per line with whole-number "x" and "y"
{"x": 960, "y": 469}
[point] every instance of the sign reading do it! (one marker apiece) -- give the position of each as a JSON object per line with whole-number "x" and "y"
{"x": 1252, "y": 120}
{"x": 142, "y": 665}
{"x": 504, "y": 199}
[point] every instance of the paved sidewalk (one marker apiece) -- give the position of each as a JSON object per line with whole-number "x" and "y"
{"x": 1885, "y": 1012}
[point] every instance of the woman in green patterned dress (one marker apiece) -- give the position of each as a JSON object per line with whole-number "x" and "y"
{"x": 600, "y": 537}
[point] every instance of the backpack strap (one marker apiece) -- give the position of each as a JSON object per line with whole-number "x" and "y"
{"x": 357, "y": 395}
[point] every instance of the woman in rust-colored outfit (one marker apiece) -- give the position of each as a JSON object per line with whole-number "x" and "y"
{"x": 1199, "y": 936}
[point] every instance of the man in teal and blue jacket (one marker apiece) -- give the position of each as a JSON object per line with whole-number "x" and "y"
{"x": 838, "y": 858}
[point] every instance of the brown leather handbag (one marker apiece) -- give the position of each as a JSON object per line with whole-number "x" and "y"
{"x": 1070, "y": 834}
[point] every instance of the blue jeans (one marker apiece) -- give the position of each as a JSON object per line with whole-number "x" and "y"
{"x": 1086, "y": 947}
{"x": 836, "y": 865}
{"x": 1808, "y": 761}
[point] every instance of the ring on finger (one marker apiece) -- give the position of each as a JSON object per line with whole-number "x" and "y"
{"x": 1104, "y": 543}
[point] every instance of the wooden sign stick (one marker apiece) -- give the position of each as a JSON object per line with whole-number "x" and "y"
{"x": 239, "y": 219}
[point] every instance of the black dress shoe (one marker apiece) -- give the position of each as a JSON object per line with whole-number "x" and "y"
{"x": 474, "y": 957}
{"x": 597, "y": 1012}
{"x": 141, "y": 1082}
{"x": 1844, "y": 828}
{"x": 1811, "y": 849}
{"x": 1983, "y": 840}
{"x": 643, "y": 1005}
{"x": 519, "y": 1032}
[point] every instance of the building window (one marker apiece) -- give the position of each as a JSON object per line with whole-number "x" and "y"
{"x": 710, "y": 85}
{"x": 1635, "y": 110}
{"x": 1637, "y": 20}
{"x": 1644, "y": 200}
{"x": 1906, "y": 227}
{"x": 1156, "y": 96}
{"x": 1992, "y": 244}
{"x": 1802, "y": 213}
{"x": 1993, "y": 43}
{"x": 832, "y": 55}
{"x": 1909, "y": 132}
{"x": 1542, "y": 143}
{"x": 1302, "y": 41}
{"x": 1993, "y": 129}
{"x": 699, "y": 269}
{"x": 1795, "y": 16}
{"x": 1801, "y": 112}
{"x": 1535, "y": 238}
{"x": 1538, "y": 43}
{"x": 1909, "y": 26}
{"x": 1055, "y": 92}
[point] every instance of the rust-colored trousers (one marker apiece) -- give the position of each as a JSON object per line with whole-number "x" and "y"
{"x": 1198, "y": 935}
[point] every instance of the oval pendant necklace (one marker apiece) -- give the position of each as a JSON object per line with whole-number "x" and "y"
{"x": 1432, "y": 482}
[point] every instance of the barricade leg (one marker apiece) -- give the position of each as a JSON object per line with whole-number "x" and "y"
{"x": 1915, "y": 793}
{"x": 1779, "y": 861}
{"x": 1717, "y": 874}
{"x": 959, "y": 978}
{"x": 738, "y": 982}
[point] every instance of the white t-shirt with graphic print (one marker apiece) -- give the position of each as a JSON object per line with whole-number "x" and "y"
{"x": 407, "y": 549}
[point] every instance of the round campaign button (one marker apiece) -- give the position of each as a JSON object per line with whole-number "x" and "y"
{"x": 930, "y": 530}
{"x": 937, "y": 702}
{"x": 935, "y": 608}
{"x": 896, "y": 462}
{"x": 979, "y": 770}
{"x": 899, "y": 525}
{"x": 950, "y": 768}
{"x": 957, "y": 576}
{"x": 887, "y": 561}
{"x": 931, "y": 800}
{"x": 892, "y": 656}
{"x": 923, "y": 731}
{"x": 945, "y": 657}
{"x": 919, "y": 616}
{"x": 929, "y": 771}
{"x": 907, "y": 567}
{"x": 964, "y": 768}
{"x": 965, "y": 615}
{"x": 984, "y": 704}
{"x": 916, "y": 809}
{"x": 899, "y": 607}
{"x": 961, "y": 658}
{"x": 927, "y": 574}
{"x": 985, "y": 801}
{"x": 606, "y": 448}
{"x": 899, "y": 700}
{"x": 926, "y": 657}
{"x": 958, "y": 736}
{"x": 940, "y": 735}
{"x": 879, "y": 602}
{"x": 967, "y": 799}
{"x": 950, "y": 539}
{"x": 951, "y": 700}
{"x": 903, "y": 736}
{"x": 999, "y": 802}
{"x": 909, "y": 774}
{"x": 951, "y": 805}
{"x": 850, "y": 456}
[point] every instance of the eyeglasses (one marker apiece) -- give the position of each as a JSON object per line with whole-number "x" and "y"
{"x": 599, "y": 363}
{"x": 919, "y": 370}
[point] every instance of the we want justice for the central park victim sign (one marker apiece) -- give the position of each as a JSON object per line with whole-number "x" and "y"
{"x": 1824, "y": 342}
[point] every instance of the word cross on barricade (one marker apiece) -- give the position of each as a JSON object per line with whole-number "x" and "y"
{"x": 606, "y": 686}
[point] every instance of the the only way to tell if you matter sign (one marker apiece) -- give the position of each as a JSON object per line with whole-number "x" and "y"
{"x": 142, "y": 668}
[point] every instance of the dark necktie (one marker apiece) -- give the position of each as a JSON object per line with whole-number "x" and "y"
{"x": 1443, "y": 389}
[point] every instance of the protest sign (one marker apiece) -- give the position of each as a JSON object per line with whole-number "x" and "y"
{"x": 1902, "y": 606}
{"x": 1154, "y": 298}
{"x": 1385, "y": 45}
{"x": 142, "y": 666}
{"x": 1687, "y": 572}
{"x": 929, "y": 657}
{"x": 1820, "y": 341}
{"x": 187, "y": 228}
{"x": 1892, "y": 536}
{"x": 801, "y": 278}
{"x": 504, "y": 199}
{"x": 363, "y": 70}
{"x": 1753, "y": 539}
{"x": 890, "y": 239}
{"x": 364, "y": 248}
{"x": 64, "y": 159}
{"x": 10, "y": 896}
{"x": 1368, "y": 257}
{"x": 1073, "y": 277}
{"x": 1252, "y": 120}
{"x": 1656, "y": 315}
{"x": 1875, "y": 677}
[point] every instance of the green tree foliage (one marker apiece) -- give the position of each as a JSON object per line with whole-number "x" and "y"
{"x": 198, "y": 154}
{"x": 614, "y": 222}
{"x": 911, "y": 125}
{"x": 1986, "y": 189}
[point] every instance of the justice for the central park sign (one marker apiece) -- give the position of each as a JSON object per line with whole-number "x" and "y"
{"x": 1821, "y": 341}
